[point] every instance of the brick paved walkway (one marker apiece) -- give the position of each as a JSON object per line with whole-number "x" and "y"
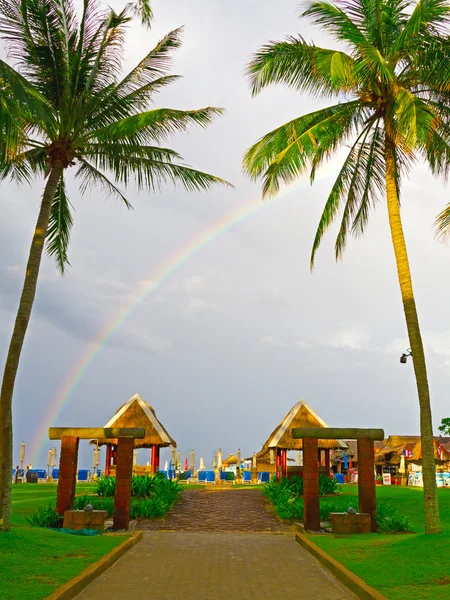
{"x": 216, "y": 566}
{"x": 219, "y": 510}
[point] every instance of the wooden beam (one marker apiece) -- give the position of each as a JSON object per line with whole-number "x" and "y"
{"x": 96, "y": 433}
{"x": 337, "y": 433}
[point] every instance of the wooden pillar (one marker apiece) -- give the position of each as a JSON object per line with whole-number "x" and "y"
{"x": 67, "y": 477}
{"x": 284, "y": 463}
{"x": 154, "y": 456}
{"x": 108, "y": 460}
{"x": 311, "y": 519}
{"x": 124, "y": 472}
{"x": 278, "y": 465}
{"x": 114, "y": 454}
{"x": 327, "y": 463}
{"x": 366, "y": 479}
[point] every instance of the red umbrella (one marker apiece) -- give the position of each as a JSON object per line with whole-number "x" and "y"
{"x": 186, "y": 465}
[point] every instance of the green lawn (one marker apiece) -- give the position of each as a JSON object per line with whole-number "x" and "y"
{"x": 35, "y": 561}
{"x": 407, "y": 566}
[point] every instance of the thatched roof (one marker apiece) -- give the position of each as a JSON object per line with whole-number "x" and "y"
{"x": 417, "y": 452}
{"x": 231, "y": 460}
{"x": 301, "y": 415}
{"x": 137, "y": 413}
{"x": 263, "y": 457}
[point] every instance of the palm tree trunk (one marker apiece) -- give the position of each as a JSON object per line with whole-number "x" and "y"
{"x": 431, "y": 508}
{"x": 15, "y": 347}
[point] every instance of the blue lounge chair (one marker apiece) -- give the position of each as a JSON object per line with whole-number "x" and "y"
{"x": 83, "y": 474}
{"x": 202, "y": 476}
{"x": 55, "y": 473}
{"x": 263, "y": 477}
{"x": 164, "y": 473}
{"x": 210, "y": 477}
{"x": 246, "y": 477}
{"x": 223, "y": 476}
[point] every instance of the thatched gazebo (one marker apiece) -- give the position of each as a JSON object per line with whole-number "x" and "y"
{"x": 231, "y": 460}
{"x": 137, "y": 413}
{"x": 265, "y": 460}
{"x": 300, "y": 416}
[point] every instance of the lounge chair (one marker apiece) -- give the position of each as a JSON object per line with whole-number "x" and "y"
{"x": 263, "y": 477}
{"x": 210, "y": 477}
{"x": 164, "y": 473}
{"x": 202, "y": 476}
{"x": 246, "y": 477}
{"x": 55, "y": 474}
{"x": 83, "y": 475}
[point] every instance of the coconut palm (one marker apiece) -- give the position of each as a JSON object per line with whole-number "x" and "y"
{"x": 66, "y": 105}
{"x": 389, "y": 82}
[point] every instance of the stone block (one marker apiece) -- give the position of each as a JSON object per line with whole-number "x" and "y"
{"x": 85, "y": 519}
{"x": 345, "y": 524}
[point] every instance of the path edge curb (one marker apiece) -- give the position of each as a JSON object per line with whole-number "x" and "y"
{"x": 74, "y": 586}
{"x": 354, "y": 583}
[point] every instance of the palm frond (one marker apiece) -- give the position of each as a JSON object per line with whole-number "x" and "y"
{"x": 91, "y": 176}
{"x": 303, "y": 67}
{"x": 59, "y": 228}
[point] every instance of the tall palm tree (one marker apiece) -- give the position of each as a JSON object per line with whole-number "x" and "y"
{"x": 389, "y": 86}
{"x": 66, "y": 104}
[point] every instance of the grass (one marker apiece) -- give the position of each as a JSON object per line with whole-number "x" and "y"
{"x": 35, "y": 561}
{"x": 413, "y": 566}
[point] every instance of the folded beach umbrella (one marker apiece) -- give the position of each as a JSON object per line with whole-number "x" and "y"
{"x": 166, "y": 465}
{"x": 202, "y": 465}
{"x": 186, "y": 465}
{"x": 345, "y": 460}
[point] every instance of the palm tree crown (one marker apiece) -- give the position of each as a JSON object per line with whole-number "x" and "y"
{"x": 67, "y": 103}
{"x": 391, "y": 80}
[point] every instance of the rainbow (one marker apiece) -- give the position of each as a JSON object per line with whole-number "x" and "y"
{"x": 153, "y": 281}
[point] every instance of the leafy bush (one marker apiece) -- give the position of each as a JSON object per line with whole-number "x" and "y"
{"x": 285, "y": 496}
{"x": 44, "y": 516}
{"x": 390, "y": 520}
{"x": 327, "y": 485}
{"x": 97, "y": 502}
{"x": 105, "y": 486}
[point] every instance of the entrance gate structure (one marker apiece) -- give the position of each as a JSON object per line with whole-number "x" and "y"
{"x": 68, "y": 461}
{"x": 366, "y": 469}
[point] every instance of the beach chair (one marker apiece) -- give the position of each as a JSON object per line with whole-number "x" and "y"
{"x": 55, "y": 474}
{"x": 223, "y": 476}
{"x": 246, "y": 477}
{"x": 83, "y": 474}
{"x": 263, "y": 477}
{"x": 184, "y": 477}
{"x": 210, "y": 477}
{"x": 229, "y": 477}
{"x": 202, "y": 476}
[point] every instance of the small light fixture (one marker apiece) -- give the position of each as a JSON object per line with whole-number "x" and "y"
{"x": 404, "y": 356}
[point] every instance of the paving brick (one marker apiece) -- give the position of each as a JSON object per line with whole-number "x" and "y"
{"x": 216, "y": 566}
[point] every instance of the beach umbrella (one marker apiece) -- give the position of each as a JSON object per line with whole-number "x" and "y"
{"x": 186, "y": 465}
{"x": 219, "y": 458}
{"x": 402, "y": 468}
{"x": 22, "y": 454}
{"x": 202, "y": 465}
{"x": 49, "y": 458}
{"x": 345, "y": 460}
{"x": 254, "y": 461}
{"x": 178, "y": 460}
{"x": 174, "y": 456}
{"x": 192, "y": 461}
{"x": 55, "y": 454}
{"x": 214, "y": 460}
{"x": 134, "y": 458}
{"x": 95, "y": 460}
{"x": 350, "y": 464}
{"x": 298, "y": 459}
{"x": 239, "y": 457}
{"x": 166, "y": 466}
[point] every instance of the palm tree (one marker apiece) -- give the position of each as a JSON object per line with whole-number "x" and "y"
{"x": 390, "y": 83}
{"x": 66, "y": 104}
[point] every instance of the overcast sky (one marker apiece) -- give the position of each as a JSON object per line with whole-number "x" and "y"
{"x": 242, "y": 330}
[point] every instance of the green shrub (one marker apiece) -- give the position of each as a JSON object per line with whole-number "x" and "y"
{"x": 390, "y": 520}
{"x": 327, "y": 485}
{"x": 44, "y": 516}
{"x": 105, "y": 486}
{"x": 97, "y": 503}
